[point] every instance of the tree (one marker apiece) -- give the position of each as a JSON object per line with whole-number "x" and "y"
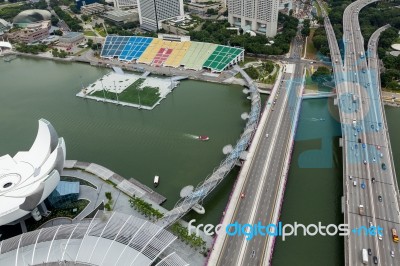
{"x": 89, "y": 42}
{"x": 306, "y": 28}
{"x": 252, "y": 72}
{"x": 74, "y": 9}
{"x": 54, "y": 20}
{"x": 212, "y": 11}
{"x": 58, "y": 32}
{"x": 85, "y": 17}
{"x": 322, "y": 74}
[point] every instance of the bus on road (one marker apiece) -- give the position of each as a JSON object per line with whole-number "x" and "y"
{"x": 395, "y": 236}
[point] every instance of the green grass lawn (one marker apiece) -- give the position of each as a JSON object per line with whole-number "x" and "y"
{"x": 311, "y": 51}
{"x": 247, "y": 60}
{"x": 148, "y": 95}
{"x": 89, "y": 33}
{"x": 101, "y": 31}
{"x": 66, "y": 211}
{"x": 82, "y": 51}
{"x": 315, "y": 3}
{"x": 239, "y": 76}
{"x": 326, "y": 7}
{"x": 272, "y": 78}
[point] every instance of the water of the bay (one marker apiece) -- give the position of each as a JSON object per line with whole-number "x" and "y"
{"x": 142, "y": 144}
{"x": 314, "y": 188}
{"x": 133, "y": 143}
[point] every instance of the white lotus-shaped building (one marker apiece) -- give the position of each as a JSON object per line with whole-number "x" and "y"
{"x": 29, "y": 177}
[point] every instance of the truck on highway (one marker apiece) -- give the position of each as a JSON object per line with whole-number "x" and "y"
{"x": 364, "y": 255}
{"x": 354, "y": 123}
{"x": 361, "y": 209}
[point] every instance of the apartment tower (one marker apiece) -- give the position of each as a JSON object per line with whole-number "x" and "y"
{"x": 153, "y": 12}
{"x": 260, "y": 16}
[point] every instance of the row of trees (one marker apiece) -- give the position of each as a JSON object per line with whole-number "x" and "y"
{"x": 306, "y": 27}
{"x": 217, "y": 32}
{"x": 31, "y": 49}
{"x": 108, "y": 205}
{"x": 322, "y": 74}
{"x": 145, "y": 208}
{"x": 59, "y": 53}
{"x": 73, "y": 23}
{"x": 320, "y": 41}
{"x": 190, "y": 239}
{"x": 9, "y": 12}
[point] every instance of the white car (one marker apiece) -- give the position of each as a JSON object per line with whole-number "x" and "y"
{"x": 392, "y": 253}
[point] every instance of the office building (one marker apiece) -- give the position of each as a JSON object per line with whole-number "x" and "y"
{"x": 122, "y": 4}
{"x": 260, "y": 16}
{"x": 153, "y": 12}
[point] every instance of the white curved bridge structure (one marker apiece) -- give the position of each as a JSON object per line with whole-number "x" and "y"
{"x": 29, "y": 177}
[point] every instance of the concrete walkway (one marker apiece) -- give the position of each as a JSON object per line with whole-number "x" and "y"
{"x": 121, "y": 204}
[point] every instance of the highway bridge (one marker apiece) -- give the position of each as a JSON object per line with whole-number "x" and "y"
{"x": 369, "y": 177}
{"x": 264, "y": 173}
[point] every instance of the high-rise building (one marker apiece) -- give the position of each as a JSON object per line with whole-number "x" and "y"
{"x": 260, "y": 16}
{"x": 153, "y": 12}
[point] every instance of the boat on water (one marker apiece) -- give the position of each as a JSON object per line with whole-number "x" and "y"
{"x": 203, "y": 138}
{"x": 156, "y": 180}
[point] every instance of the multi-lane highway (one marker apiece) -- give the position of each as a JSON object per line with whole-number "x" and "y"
{"x": 266, "y": 170}
{"x": 369, "y": 177}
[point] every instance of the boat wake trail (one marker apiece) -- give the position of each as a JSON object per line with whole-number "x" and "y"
{"x": 315, "y": 119}
{"x": 191, "y": 136}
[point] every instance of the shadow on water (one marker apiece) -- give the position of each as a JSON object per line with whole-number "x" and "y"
{"x": 314, "y": 188}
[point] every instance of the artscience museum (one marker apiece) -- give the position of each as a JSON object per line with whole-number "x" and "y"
{"x": 29, "y": 177}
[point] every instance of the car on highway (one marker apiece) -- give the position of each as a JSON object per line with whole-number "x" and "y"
{"x": 369, "y": 252}
{"x": 363, "y": 145}
{"x": 380, "y": 198}
{"x": 242, "y": 195}
{"x": 355, "y": 183}
{"x": 392, "y": 254}
{"x": 373, "y": 180}
{"x": 381, "y": 155}
{"x": 365, "y": 161}
{"x": 375, "y": 258}
{"x": 267, "y": 135}
{"x": 378, "y": 147}
{"x": 253, "y": 253}
{"x": 383, "y": 166}
{"x": 379, "y": 236}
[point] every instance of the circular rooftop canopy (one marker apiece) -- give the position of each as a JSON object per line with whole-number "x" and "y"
{"x": 32, "y": 16}
{"x": 396, "y": 46}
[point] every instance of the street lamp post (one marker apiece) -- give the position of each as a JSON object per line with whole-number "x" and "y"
{"x": 116, "y": 94}
{"x": 140, "y": 105}
{"x": 104, "y": 93}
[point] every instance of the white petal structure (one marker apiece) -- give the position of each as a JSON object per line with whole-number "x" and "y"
{"x": 29, "y": 177}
